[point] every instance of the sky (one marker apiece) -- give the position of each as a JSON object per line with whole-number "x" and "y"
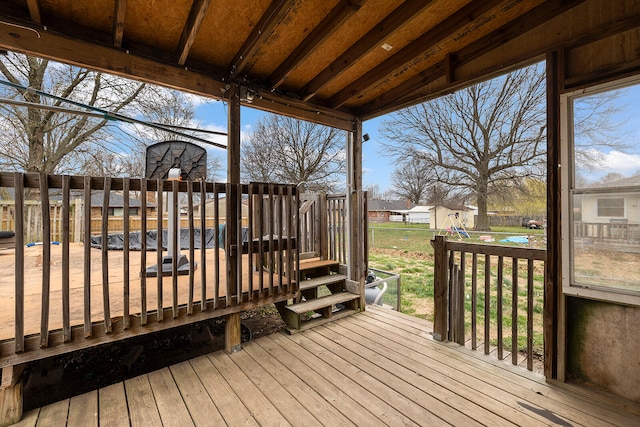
{"x": 377, "y": 168}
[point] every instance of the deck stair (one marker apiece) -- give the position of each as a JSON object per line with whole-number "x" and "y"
{"x": 322, "y": 298}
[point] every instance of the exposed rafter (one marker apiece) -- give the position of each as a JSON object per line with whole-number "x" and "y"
{"x": 118, "y": 22}
{"x": 34, "y": 11}
{"x": 423, "y": 43}
{"x": 366, "y": 44}
{"x": 522, "y": 24}
{"x": 261, "y": 32}
{"x": 190, "y": 30}
{"x": 332, "y": 22}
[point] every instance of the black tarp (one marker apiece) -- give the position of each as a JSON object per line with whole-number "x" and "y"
{"x": 115, "y": 241}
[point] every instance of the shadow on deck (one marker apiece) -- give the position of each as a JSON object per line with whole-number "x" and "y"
{"x": 379, "y": 367}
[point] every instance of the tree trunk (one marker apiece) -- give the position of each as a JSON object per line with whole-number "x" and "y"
{"x": 483, "y": 219}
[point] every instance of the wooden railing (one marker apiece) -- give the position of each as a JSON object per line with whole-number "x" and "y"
{"x": 323, "y": 226}
{"x": 496, "y": 284}
{"x": 337, "y": 227}
{"x": 69, "y": 296}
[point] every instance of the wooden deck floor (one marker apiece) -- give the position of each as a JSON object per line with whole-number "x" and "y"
{"x": 374, "y": 368}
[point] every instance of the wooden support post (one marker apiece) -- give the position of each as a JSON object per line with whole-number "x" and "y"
{"x": 11, "y": 395}
{"x": 232, "y": 333}
{"x": 440, "y": 289}
{"x": 357, "y": 268}
{"x": 553, "y": 323}
{"x": 233, "y": 221}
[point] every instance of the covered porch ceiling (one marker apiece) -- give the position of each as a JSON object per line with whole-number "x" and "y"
{"x": 328, "y": 61}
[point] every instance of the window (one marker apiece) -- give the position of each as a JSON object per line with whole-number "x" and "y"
{"x": 613, "y": 208}
{"x": 120, "y": 211}
{"x": 600, "y": 161}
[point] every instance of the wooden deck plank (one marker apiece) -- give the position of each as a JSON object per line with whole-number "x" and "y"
{"x": 516, "y": 382}
{"x": 336, "y": 396}
{"x": 303, "y": 393}
{"x": 171, "y": 407}
{"x": 261, "y": 408}
{"x": 372, "y": 403}
{"x": 141, "y": 401}
{"x": 374, "y": 368}
{"x": 202, "y": 409}
{"x": 485, "y": 379}
{"x": 458, "y": 382}
{"x": 29, "y": 419}
{"x": 338, "y": 345}
{"x": 281, "y": 398}
{"x": 83, "y": 410}
{"x": 228, "y": 403}
{"x": 112, "y": 402}
{"x": 611, "y": 405}
{"x": 378, "y": 357}
{"x": 54, "y": 415}
{"x": 415, "y": 413}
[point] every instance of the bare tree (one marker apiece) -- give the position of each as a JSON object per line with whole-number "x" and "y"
{"x": 479, "y": 136}
{"x": 42, "y": 135}
{"x": 40, "y": 140}
{"x": 494, "y": 132}
{"x": 282, "y": 149}
{"x": 412, "y": 179}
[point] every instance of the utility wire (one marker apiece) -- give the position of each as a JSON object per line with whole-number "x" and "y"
{"x": 100, "y": 113}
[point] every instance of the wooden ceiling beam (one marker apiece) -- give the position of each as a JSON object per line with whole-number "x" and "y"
{"x": 366, "y": 44}
{"x": 261, "y": 32}
{"x": 19, "y": 37}
{"x": 190, "y": 30}
{"x": 118, "y": 22}
{"x": 520, "y": 25}
{"x": 331, "y": 23}
{"x": 34, "y": 11}
{"x": 409, "y": 53}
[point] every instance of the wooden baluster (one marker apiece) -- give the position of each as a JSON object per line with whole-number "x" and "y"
{"x": 499, "y": 284}
{"x": 514, "y": 311}
{"x": 487, "y": 303}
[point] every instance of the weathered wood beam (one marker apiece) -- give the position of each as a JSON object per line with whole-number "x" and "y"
{"x": 366, "y": 44}
{"x": 190, "y": 30}
{"x": 527, "y": 22}
{"x": 331, "y": 23}
{"x": 34, "y": 11}
{"x": 261, "y": 32}
{"x": 423, "y": 43}
{"x": 11, "y": 395}
{"x": 553, "y": 283}
{"x": 118, "y": 22}
{"x": 84, "y": 53}
{"x": 232, "y": 338}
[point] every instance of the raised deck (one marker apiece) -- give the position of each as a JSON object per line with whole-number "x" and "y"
{"x": 379, "y": 367}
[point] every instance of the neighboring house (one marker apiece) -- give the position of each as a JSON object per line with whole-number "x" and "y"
{"x": 116, "y": 205}
{"x": 443, "y": 217}
{"x": 389, "y": 210}
{"x": 617, "y": 203}
{"x": 419, "y": 215}
{"x": 222, "y": 208}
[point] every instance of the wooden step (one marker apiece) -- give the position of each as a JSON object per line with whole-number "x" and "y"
{"x": 317, "y": 321}
{"x": 322, "y": 280}
{"x": 317, "y": 263}
{"x": 323, "y": 302}
{"x": 317, "y": 267}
